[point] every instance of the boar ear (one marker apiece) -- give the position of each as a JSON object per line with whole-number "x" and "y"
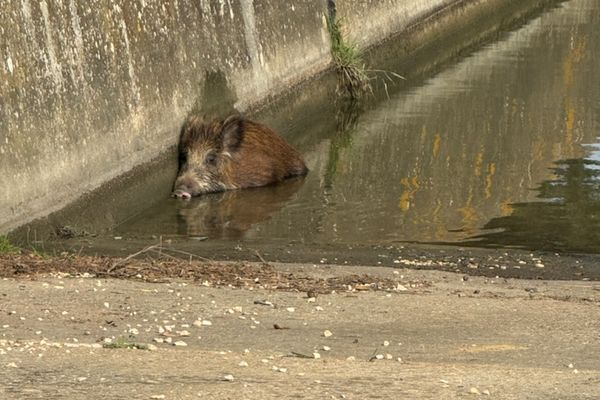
{"x": 232, "y": 132}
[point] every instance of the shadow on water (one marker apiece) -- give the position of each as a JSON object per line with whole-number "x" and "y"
{"x": 566, "y": 219}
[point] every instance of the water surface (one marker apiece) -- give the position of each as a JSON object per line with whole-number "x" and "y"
{"x": 498, "y": 149}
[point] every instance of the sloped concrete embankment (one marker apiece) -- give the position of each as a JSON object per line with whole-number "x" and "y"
{"x": 90, "y": 89}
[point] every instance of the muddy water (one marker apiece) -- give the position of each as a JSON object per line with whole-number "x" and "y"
{"x": 500, "y": 148}
{"x": 491, "y": 144}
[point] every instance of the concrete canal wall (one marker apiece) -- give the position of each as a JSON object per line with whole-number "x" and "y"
{"x": 90, "y": 89}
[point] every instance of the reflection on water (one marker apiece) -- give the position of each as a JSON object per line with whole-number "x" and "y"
{"x": 441, "y": 162}
{"x": 227, "y": 215}
{"x": 567, "y": 218}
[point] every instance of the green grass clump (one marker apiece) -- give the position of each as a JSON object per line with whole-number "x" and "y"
{"x": 347, "y": 58}
{"x": 6, "y": 247}
{"x": 124, "y": 343}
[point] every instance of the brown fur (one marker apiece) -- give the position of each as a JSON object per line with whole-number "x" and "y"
{"x": 230, "y": 154}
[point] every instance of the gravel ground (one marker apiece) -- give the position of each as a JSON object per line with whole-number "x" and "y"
{"x": 73, "y": 327}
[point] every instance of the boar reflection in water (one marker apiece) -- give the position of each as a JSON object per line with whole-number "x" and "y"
{"x": 234, "y": 153}
{"x": 228, "y": 215}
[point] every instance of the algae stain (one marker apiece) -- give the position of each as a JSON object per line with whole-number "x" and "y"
{"x": 410, "y": 187}
{"x": 478, "y": 163}
{"x": 489, "y": 180}
{"x": 437, "y": 141}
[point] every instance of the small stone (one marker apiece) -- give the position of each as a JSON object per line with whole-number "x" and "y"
{"x": 291, "y": 309}
{"x": 158, "y": 340}
{"x": 243, "y": 364}
{"x": 107, "y": 305}
{"x": 539, "y": 265}
{"x": 151, "y": 347}
{"x": 351, "y": 358}
{"x": 316, "y": 356}
{"x": 229, "y": 377}
{"x": 388, "y": 356}
{"x": 180, "y": 343}
{"x": 386, "y": 343}
{"x": 81, "y": 379}
{"x": 327, "y": 333}
{"x": 474, "y": 390}
{"x": 326, "y": 348}
{"x": 12, "y": 365}
{"x": 183, "y": 333}
{"x": 206, "y": 322}
{"x": 158, "y": 396}
{"x": 486, "y": 392}
{"x": 319, "y": 308}
{"x": 379, "y": 356}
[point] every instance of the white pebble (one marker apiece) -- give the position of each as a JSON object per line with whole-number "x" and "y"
{"x": 327, "y": 333}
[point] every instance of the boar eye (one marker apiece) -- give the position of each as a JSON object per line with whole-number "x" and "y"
{"x": 211, "y": 158}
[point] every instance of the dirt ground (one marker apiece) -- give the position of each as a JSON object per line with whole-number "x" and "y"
{"x": 104, "y": 328}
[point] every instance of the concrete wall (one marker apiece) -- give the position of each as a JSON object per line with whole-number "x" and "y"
{"x": 91, "y": 88}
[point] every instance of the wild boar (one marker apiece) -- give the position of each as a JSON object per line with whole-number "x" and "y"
{"x": 229, "y": 154}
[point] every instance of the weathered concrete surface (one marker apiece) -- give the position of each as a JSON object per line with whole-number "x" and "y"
{"x": 91, "y": 89}
{"x": 480, "y": 338}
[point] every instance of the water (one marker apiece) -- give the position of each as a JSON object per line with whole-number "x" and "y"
{"x": 498, "y": 149}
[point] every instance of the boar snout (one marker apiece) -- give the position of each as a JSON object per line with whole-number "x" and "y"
{"x": 184, "y": 188}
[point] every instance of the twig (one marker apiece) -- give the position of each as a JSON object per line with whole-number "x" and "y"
{"x": 374, "y": 355}
{"x": 190, "y": 254}
{"x": 260, "y": 257}
{"x": 299, "y": 355}
{"x": 129, "y": 257}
